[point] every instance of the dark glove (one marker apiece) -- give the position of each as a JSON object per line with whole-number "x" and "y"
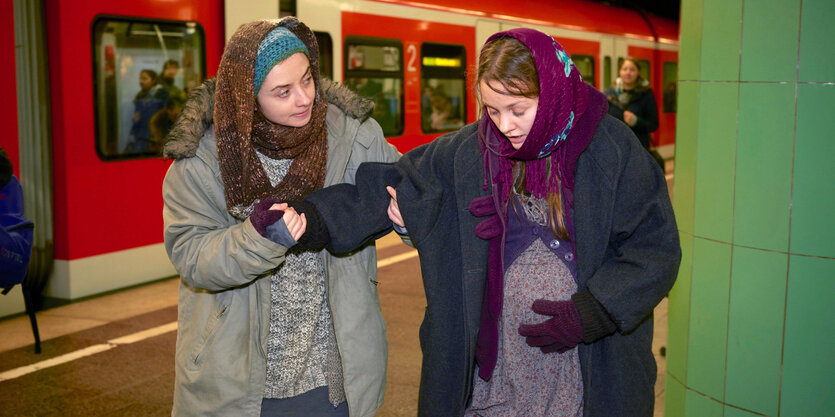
{"x": 557, "y": 334}
{"x": 316, "y": 235}
{"x": 262, "y": 216}
{"x": 491, "y": 226}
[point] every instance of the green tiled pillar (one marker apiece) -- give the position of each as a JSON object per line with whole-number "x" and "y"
{"x": 751, "y": 315}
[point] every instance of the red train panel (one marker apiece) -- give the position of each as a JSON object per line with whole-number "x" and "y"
{"x": 103, "y": 206}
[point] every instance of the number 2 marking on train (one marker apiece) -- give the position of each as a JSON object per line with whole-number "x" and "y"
{"x": 411, "y": 52}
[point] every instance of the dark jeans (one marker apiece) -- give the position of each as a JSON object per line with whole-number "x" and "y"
{"x": 312, "y": 403}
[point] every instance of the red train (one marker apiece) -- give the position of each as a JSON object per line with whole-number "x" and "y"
{"x": 89, "y": 166}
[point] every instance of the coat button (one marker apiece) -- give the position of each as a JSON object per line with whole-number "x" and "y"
{"x": 569, "y": 256}
{"x": 554, "y": 244}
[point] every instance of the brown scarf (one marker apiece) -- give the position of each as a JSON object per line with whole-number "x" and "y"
{"x": 241, "y": 130}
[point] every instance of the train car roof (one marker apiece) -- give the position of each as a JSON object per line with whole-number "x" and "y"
{"x": 567, "y": 14}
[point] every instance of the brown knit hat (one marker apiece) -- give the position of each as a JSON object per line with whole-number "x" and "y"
{"x": 241, "y": 129}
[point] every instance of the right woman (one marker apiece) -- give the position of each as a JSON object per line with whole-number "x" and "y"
{"x": 631, "y": 100}
{"x": 546, "y": 238}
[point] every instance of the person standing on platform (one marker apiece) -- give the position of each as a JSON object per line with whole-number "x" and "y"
{"x": 631, "y": 100}
{"x": 15, "y": 229}
{"x": 264, "y": 329}
{"x": 546, "y": 238}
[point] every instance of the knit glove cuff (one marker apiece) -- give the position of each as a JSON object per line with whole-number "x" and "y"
{"x": 316, "y": 236}
{"x": 594, "y": 318}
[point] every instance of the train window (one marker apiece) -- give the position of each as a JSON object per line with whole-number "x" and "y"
{"x": 670, "y": 86}
{"x": 444, "y": 78}
{"x": 607, "y": 71}
{"x": 142, "y": 72}
{"x": 585, "y": 64}
{"x": 374, "y": 69}
{"x": 325, "y": 54}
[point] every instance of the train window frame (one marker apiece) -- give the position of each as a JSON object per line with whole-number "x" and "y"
{"x": 443, "y": 73}
{"x": 669, "y": 97}
{"x": 397, "y": 75}
{"x": 97, "y": 63}
{"x": 607, "y": 71}
{"x": 325, "y": 53}
{"x": 578, "y": 58}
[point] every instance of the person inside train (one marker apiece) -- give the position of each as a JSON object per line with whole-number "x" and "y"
{"x": 631, "y": 100}
{"x": 546, "y": 238}
{"x": 444, "y": 115}
{"x": 150, "y": 99}
{"x": 170, "y": 69}
{"x": 163, "y": 120}
{"x": 16, "y": 230}
{"x": 262, "y": 329}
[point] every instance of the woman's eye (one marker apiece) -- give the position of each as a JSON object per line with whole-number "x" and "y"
{"x": 308, "y": 79}
{"x": 518, "y": 114}
{"x": 283, "y": 93}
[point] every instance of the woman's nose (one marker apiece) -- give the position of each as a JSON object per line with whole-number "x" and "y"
{"x": 302, "y": 99}
{"x": 505, "y": 125}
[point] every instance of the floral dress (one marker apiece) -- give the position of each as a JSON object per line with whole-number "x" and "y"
{"x": 525, "y": 381}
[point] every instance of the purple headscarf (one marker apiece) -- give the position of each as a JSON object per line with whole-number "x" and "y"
{"x": 566, "y": 118}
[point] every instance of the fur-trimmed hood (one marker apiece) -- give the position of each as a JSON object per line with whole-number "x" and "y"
{"x": 196, "y": 117}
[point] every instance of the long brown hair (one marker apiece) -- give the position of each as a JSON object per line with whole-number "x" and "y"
{"x": 509, "y": 62}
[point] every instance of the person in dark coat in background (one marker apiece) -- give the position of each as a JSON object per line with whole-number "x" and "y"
{"x": 631, "y": 100}
{"x": 546, "y": 238}
{"x": 16, "y": 231}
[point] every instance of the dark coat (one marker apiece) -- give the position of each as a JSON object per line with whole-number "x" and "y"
{"x": 643, "y": 105}
{"x": 626, "y": 244}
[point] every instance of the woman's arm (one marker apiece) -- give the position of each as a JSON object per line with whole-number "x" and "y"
{"x": 640, "y": 255}
{"x": 647, "y": 114}
{"x": 209, "y": 249}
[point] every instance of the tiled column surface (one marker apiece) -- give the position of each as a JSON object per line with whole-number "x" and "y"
{"x": 752, "y": 315}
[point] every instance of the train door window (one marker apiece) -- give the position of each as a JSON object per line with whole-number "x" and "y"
{"x": 142, "y": 72}
{"x": 585, "y": 64}
{"x": 643, "y": 63}
{"x": 325, "y": 54}
{"x": 607, "y": 71}
{"x": 670, "y": 86}
{"x": 443, "y": 86}
{"x": 374, "y": 69}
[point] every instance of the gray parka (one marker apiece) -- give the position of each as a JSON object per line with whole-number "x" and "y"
{"x": 224, "y": 264}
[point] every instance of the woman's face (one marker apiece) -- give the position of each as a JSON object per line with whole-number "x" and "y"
{"x": 286, "y": 96}
{"x": 513, "y": 115}
{"x": 628, "y": 72}
{"x": 145, "y": 81}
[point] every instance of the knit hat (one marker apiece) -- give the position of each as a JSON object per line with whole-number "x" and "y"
{"x": 277, "y": 46}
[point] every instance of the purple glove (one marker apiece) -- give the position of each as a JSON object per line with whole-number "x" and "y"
{"x": 262, "y": 216}
{"x": 491, "y": 226}
{"x": 557, "y": 334}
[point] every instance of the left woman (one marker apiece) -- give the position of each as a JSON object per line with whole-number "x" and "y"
{"x": 264, "y": 330}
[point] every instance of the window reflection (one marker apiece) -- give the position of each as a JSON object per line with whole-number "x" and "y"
{"x": 373, "y": 69}
{"x": 143, "y": 71}
{"x": 443, "y": 106}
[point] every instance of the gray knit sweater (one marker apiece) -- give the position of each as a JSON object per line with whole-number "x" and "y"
{"x": 301, "y": 347}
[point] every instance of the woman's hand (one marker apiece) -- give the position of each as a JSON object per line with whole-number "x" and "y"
{"x": 296, "y": 224}
{"x": 629, "y": 118}
{"x": 394, "y": 209}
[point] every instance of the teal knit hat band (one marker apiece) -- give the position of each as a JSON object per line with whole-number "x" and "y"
{"x": 277, "y": 46}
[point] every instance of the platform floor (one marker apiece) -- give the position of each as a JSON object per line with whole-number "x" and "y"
{"x": 107, "y": 376}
